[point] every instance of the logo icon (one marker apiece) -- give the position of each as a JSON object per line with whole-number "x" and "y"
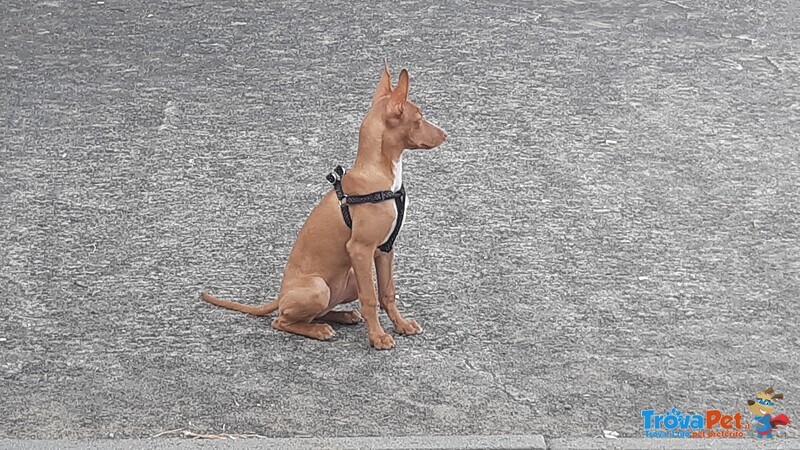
{"x": 762, "y": 408}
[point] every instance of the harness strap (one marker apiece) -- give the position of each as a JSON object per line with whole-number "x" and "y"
{"x": 345, "y": 200}
{"x": 375, "y": 197}
{"x": 335, "y": 178}
{"x": 400, "y": 204}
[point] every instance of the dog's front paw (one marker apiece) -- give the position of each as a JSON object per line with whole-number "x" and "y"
{"x": 382, "y": 341}
{"x": 407, "y": 327}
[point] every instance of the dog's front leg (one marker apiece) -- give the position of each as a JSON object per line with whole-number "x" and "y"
{"x": 384, "y": 265}
{"x": 361, "y": 257}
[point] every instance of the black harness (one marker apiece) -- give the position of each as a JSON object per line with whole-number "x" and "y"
{"x": 345, "y": 201}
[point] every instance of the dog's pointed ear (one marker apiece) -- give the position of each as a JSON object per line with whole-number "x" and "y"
{"x": 400, "y": 94}
{"x": 384, "y": 85}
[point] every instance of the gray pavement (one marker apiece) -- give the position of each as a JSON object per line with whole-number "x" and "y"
{"x": 415, "y": 442}
{"x": 532, "y": 442}
{"x": 612, "y": 225}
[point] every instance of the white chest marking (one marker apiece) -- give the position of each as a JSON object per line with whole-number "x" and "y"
{"x": 398, "y": 175}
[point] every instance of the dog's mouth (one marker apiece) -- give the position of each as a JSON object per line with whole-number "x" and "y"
{"x": 427, "y": 146}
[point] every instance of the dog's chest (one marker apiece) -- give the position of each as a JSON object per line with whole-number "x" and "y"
{"x": 398, "y": 176}
{"x": 396, "y": 184}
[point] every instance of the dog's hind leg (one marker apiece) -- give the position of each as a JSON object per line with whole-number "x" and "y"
{"x": 350, "y": 294}
{"x": 300, "y": 305}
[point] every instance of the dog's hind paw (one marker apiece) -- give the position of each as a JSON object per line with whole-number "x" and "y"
{"x": 321, "y": 331}
{"x": 342, "y": 317}
{"x": 324, "y": 332}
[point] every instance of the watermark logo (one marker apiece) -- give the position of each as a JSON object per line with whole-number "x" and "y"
{"x": 712, "y": 423}
{"x": 762, "y": 408}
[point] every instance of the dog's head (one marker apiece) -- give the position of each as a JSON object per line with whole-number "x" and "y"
{"x": 404, "y": 124}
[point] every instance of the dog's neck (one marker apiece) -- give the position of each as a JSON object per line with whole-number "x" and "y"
{"x": 376, "y": 154}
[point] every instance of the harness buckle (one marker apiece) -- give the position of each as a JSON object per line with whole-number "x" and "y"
{"x": 343, "y": 201}
{"x": 335, "y": 176}
{"x": 339, "y": 170}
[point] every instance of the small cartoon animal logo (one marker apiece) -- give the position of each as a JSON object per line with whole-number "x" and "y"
{"x": 762, "y": 408}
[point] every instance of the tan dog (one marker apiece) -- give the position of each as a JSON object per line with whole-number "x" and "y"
{"x": 332, "y": 264}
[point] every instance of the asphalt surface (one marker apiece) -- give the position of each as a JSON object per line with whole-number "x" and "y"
{"x": 612, "y": 225}
{"x": 378, "y": 443}
{"x": 417, "y": 442}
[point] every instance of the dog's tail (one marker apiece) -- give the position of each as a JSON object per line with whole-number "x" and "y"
{"x": 260, "y": 310}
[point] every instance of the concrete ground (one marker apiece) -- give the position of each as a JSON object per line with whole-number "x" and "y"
{"x": 532, "y": 442}
{"x": 612, "y": 225}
